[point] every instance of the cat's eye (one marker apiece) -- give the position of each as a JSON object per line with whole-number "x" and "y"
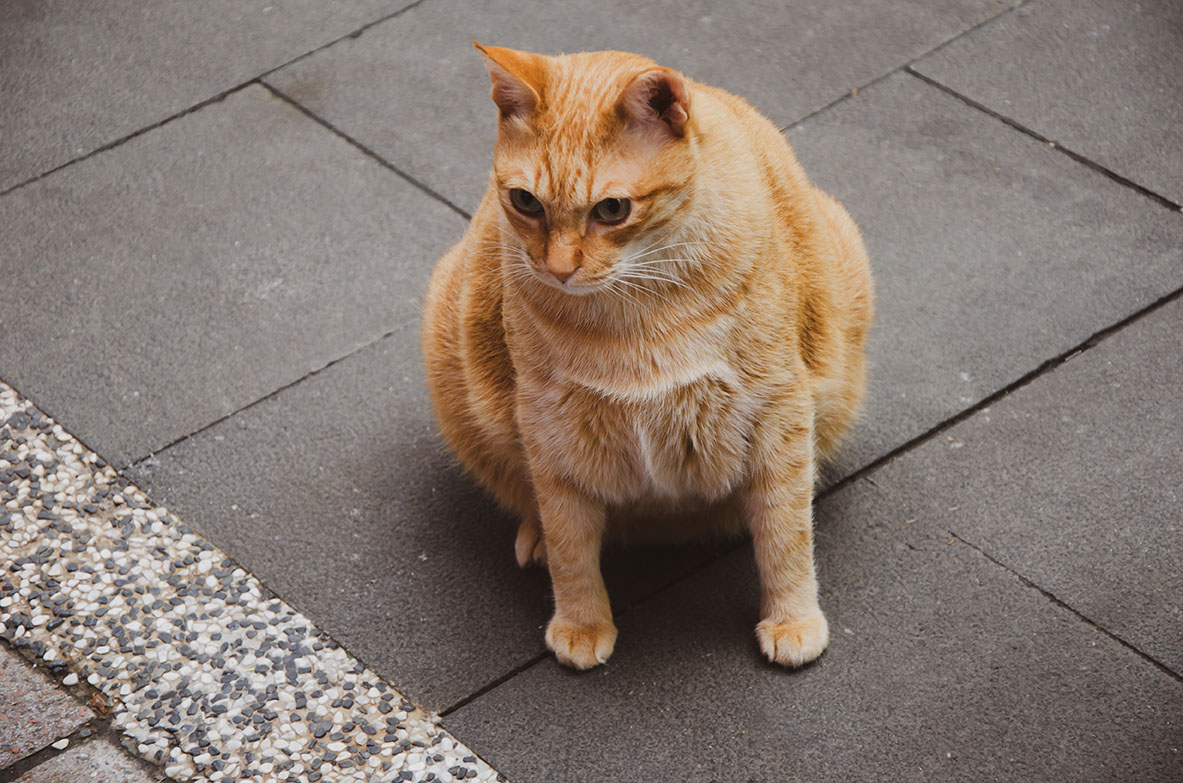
{"x": 611, "y": 210}
{"x": 523, "y": 201}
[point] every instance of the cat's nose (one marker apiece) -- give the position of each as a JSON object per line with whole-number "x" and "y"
{"x": 562, "y": 261}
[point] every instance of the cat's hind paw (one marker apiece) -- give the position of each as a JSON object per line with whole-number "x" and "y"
{"x": 580, "y": 646}
{"x": 530, "y": 546}
{"x": 794, "y": 643}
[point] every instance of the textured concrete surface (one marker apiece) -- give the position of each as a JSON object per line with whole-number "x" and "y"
{"x": 1100, "y": 77}
{"x": 33, "y": 713}
{"x": 155, "y": 288}
{"x": 78, "y": 76}
{"x": 414, "y": 90}
{"x": 97, "y": 760}
{"x": 943, "y": 666}
{"x": 339, "y": 493}
{"x": 991, "y": 252}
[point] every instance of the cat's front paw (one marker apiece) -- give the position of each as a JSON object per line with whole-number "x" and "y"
{"x": 581, "y": 646}
{"x": 794, "y": 643}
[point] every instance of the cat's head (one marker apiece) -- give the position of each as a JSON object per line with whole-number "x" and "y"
{"x": 595, "y": 155}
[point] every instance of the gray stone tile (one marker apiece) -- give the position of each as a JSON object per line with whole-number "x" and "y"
{"x": 339, "y": 495}
{"x": 1073, "y": 482}
{"x": 943, "y": 666}
{"x": 98, "y": 760}
{"x": 76, "y": 76}
{"x": 1100, "y": 77}
{"x": 413, "y": 89}
{"x": 156, "y": 287}
{"x": 33, "y": 713}
{"x": 991, "y": 252}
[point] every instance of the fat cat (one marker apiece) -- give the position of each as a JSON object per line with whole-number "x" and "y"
{"x": 653, "y": 312}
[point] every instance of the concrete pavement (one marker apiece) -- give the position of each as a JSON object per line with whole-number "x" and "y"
{"x": 219, "y": 220}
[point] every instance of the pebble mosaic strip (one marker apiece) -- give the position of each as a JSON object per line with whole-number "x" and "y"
{"x": 203, "y": 670}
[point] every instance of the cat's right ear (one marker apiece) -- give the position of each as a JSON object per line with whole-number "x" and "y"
{"x": 658, "y": 102}
{"x": 517, "y": 78}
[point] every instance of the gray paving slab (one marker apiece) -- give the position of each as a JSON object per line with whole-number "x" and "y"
{"x": 1074, "y": 483}
{"x": 98, "y": 760}
{"x": 339, "y": 495}
{"x": 413, "y": 90}
{"x": 158, "y": 286}
{"x": 992, "y": 253}
{"x": 77, "y": 76}
{"x": 1100, "y": 77}
{"x": 33, "y": 713}
{"x": 942, "y": 666}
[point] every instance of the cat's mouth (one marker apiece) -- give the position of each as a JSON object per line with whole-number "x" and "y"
{"x": 572, "y": 285}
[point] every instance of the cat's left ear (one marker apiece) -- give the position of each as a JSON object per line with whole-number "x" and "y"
{"x": 517, "y": 78}
{"x": 657, "y": 100}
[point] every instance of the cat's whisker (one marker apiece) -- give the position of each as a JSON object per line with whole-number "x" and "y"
{"x": 653, "y": 273}
{"x": 657, "y": 241}
{"x": 650, "y": 249}
{"x": 506, "y": 248}
{"x": 689, "y": 256}
{"x": 639, "y": 287}
{"x": 655, "y": 278}
{"x": 657, "y": 262}
{"x": 624, "y": 296}
{"x": 642, "y": 254}
{"x": 519, "y": 270}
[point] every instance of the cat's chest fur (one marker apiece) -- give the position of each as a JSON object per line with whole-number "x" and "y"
{"x": 685, "y": 443}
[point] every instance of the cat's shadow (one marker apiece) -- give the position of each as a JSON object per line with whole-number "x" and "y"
{"x": 661, "y": 611}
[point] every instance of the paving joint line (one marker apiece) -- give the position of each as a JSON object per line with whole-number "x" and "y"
{"x": 135, "y": 461}
{"x": 1005, "y": 13}
{"x": 854, "y": 91}
{"x": 1154, "y": 196}
{"x": 134, "y": 134}
{"x": 1025, "y": 380}
{"x": 256, "y": 79}
{"x": 93, "y": 729}
{"x": 1048, "y": 594}
{"x": 504, "y": 678}
{"x": 364, "y": 149}
{"x": 352, "y": 34}
{"x": 96, "y": 730}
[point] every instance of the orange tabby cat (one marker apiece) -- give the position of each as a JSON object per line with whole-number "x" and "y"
{"x": 653, "y": 312}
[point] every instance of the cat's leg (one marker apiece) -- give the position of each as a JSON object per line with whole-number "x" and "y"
{"x": 581, "y": 633}
{"x": 530, "y": 546}
{"x": 778, "y": 505}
